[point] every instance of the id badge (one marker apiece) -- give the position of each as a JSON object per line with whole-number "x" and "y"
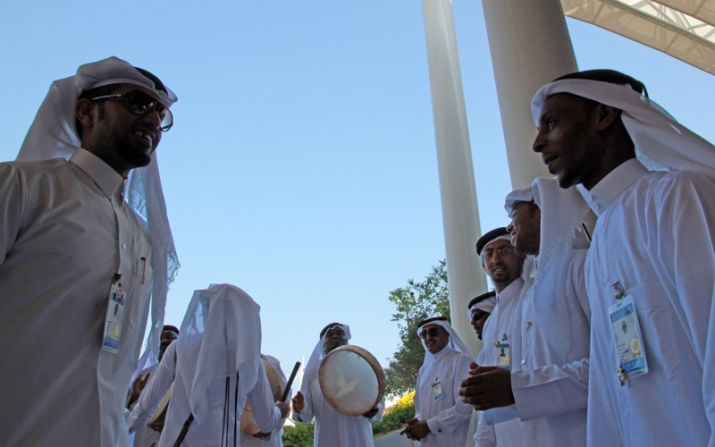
{"x": 437, "y": 391}
{"x": 113, "y": 322}
{"x": 503, "y": 355}
{"x": 627, "y": 338}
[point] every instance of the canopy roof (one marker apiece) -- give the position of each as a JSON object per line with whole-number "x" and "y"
{"x": 684, "y": 29}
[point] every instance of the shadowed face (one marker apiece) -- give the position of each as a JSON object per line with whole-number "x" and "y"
{"x": 501, "y": 262}
{"x": 435, "y": 337}
{"x": 565, "y": 140}
{"x": 525, "y": 228}
{"x": 335, "y": 336}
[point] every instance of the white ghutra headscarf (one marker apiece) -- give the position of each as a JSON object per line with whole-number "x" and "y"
{"x": 655, "y": 133}
{"x": 220, "y": 337}
{"x": 53, "y": 134}
{"x": 455, "y": 343}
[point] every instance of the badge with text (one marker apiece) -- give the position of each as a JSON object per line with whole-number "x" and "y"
{"x": 503, "y": 354}
{"x": 628, "y": 339}
{"x": 113, "y": 322}
{"x": 437, "y": 390}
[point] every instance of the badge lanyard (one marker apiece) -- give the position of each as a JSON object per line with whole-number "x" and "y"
{"x": 115, "y": 311}
{"x": 627, "y": 338}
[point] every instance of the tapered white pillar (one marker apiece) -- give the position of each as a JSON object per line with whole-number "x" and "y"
{"x": 530, "y": 45}
{"x": 454, "y": 157}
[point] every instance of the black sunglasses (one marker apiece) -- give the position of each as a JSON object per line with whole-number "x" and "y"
{"x": 139, "y": 103}
{"x": 431, "y": 332}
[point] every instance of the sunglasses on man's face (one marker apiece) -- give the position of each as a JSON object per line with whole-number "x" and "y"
{"x": 431, "y": 332}
{"x": 140, "y": 103}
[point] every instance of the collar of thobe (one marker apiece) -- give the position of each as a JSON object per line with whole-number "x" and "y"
{"x": 106, "y": 178}
{"x": 657, "y": 136}
{"x": 510, "y": 292}
{"x": 612, "y": 185}
{"x": 443, "y": 353}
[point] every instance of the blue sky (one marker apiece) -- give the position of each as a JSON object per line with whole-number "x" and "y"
{"x": 302, "y": 164}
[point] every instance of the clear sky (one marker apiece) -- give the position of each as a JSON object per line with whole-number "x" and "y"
{"x": 302, "y": 164}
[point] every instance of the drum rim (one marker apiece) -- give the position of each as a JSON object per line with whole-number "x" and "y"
{"x": 376, "y": 367}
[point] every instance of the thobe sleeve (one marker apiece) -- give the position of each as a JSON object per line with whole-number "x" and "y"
{"x": 685, "y": 212}
{"x": 154, "y": 390}
{"x": 12, "y": 201}
{"x": 458, "y": 414}
{"x": 557, "y": 389}
{"x": 265, "y": 412}
{"x": 276, "y": 364}
{"x": 416, "y": 400}
{"x": 484, "y": 435}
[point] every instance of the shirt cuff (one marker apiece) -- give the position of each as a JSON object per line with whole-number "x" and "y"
{"x": 435, "y": 426}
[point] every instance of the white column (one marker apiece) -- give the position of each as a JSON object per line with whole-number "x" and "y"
{"x": 530, "y": 45}
{"x": 454, "y": 157}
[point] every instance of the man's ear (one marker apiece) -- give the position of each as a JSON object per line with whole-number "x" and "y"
{"x": 84, "y": 112}
{"x": 606, "y": 116}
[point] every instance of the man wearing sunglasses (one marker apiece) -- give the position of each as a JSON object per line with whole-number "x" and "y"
{"x": 85, "y": 244}
{"x": 441, "y": 418}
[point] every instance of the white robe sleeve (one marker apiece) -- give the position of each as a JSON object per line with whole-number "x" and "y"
{"x": 449, "y": 419}
{"x": 155, "y": 389}
{"x": 484, "y": 435}
{"x": 265, "y": 412}
{"x": 11, "y": 208}
{"x": 686, "y": 249}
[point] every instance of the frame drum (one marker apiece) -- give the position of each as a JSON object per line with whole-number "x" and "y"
{"x": 352, "y": 380}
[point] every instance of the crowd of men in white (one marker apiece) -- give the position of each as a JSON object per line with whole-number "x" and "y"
{"x": 602, "y": 339}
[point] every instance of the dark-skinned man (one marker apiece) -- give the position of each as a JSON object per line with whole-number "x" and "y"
{"x": 652, "y": 260}
{"x": 541, "y": 400}
{"x": 479, "y": 309}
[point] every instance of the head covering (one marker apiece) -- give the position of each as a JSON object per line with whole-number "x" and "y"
{"x": 53, "y": 134}
{"x": 316, "y": 358}
{"x": 490, "y": 236}
{"x": 484, "y": 302}
{"x": 562, "y": 214}
{"x": 455, "y": 343}
{"x": 655, "y": 133}
{"x": 220, "y": 338}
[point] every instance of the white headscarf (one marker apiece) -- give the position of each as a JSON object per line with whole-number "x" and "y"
{"x": 53, "y": 134}
{"x": 486, "y": 304}
{"x": 220, "y": 336}
{"x": 655, "y": 133}
{"x": 562, "y": 213}
{"x": 455, "y": 343}
{"x": 316, "y": 358}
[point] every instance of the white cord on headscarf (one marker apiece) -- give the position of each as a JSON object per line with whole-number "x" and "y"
{"x": 316, "y": 358}
{"x": 53, "y": 134}
{"x": 455, "y": 343}
{"x": 220, "y": 336}
{"x": 655, "y": 133}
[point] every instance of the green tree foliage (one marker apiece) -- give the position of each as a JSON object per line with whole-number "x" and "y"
{"x": 299, "y": 436}
{"x": 415, "y": 302}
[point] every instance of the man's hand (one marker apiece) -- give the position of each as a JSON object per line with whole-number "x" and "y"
{"x": 415, "y": 429}
{"x": 370, "y": 414}
{"x": 137, "y": 387}
{"x": 487, "y": 387}
{"x": 284, "y": 407}
{"x": 298, "y": 402}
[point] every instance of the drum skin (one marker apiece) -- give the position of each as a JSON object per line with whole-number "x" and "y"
{"x": 352, "y": 380}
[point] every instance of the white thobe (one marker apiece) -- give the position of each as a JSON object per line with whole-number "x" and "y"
{"x": 206, "y": 432}
{"x": 550, "y": 382}
{"x": 334, "y": 429}
{"x": 502, "y": 326}
{"x": 277, "y": 432}
{"x": 445, "y": 412}
{"x": 144, "y": 436}
{"x": 65, "y": 230}
{"x": 655, "y": 236}
{"x": 150, "y": 398}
